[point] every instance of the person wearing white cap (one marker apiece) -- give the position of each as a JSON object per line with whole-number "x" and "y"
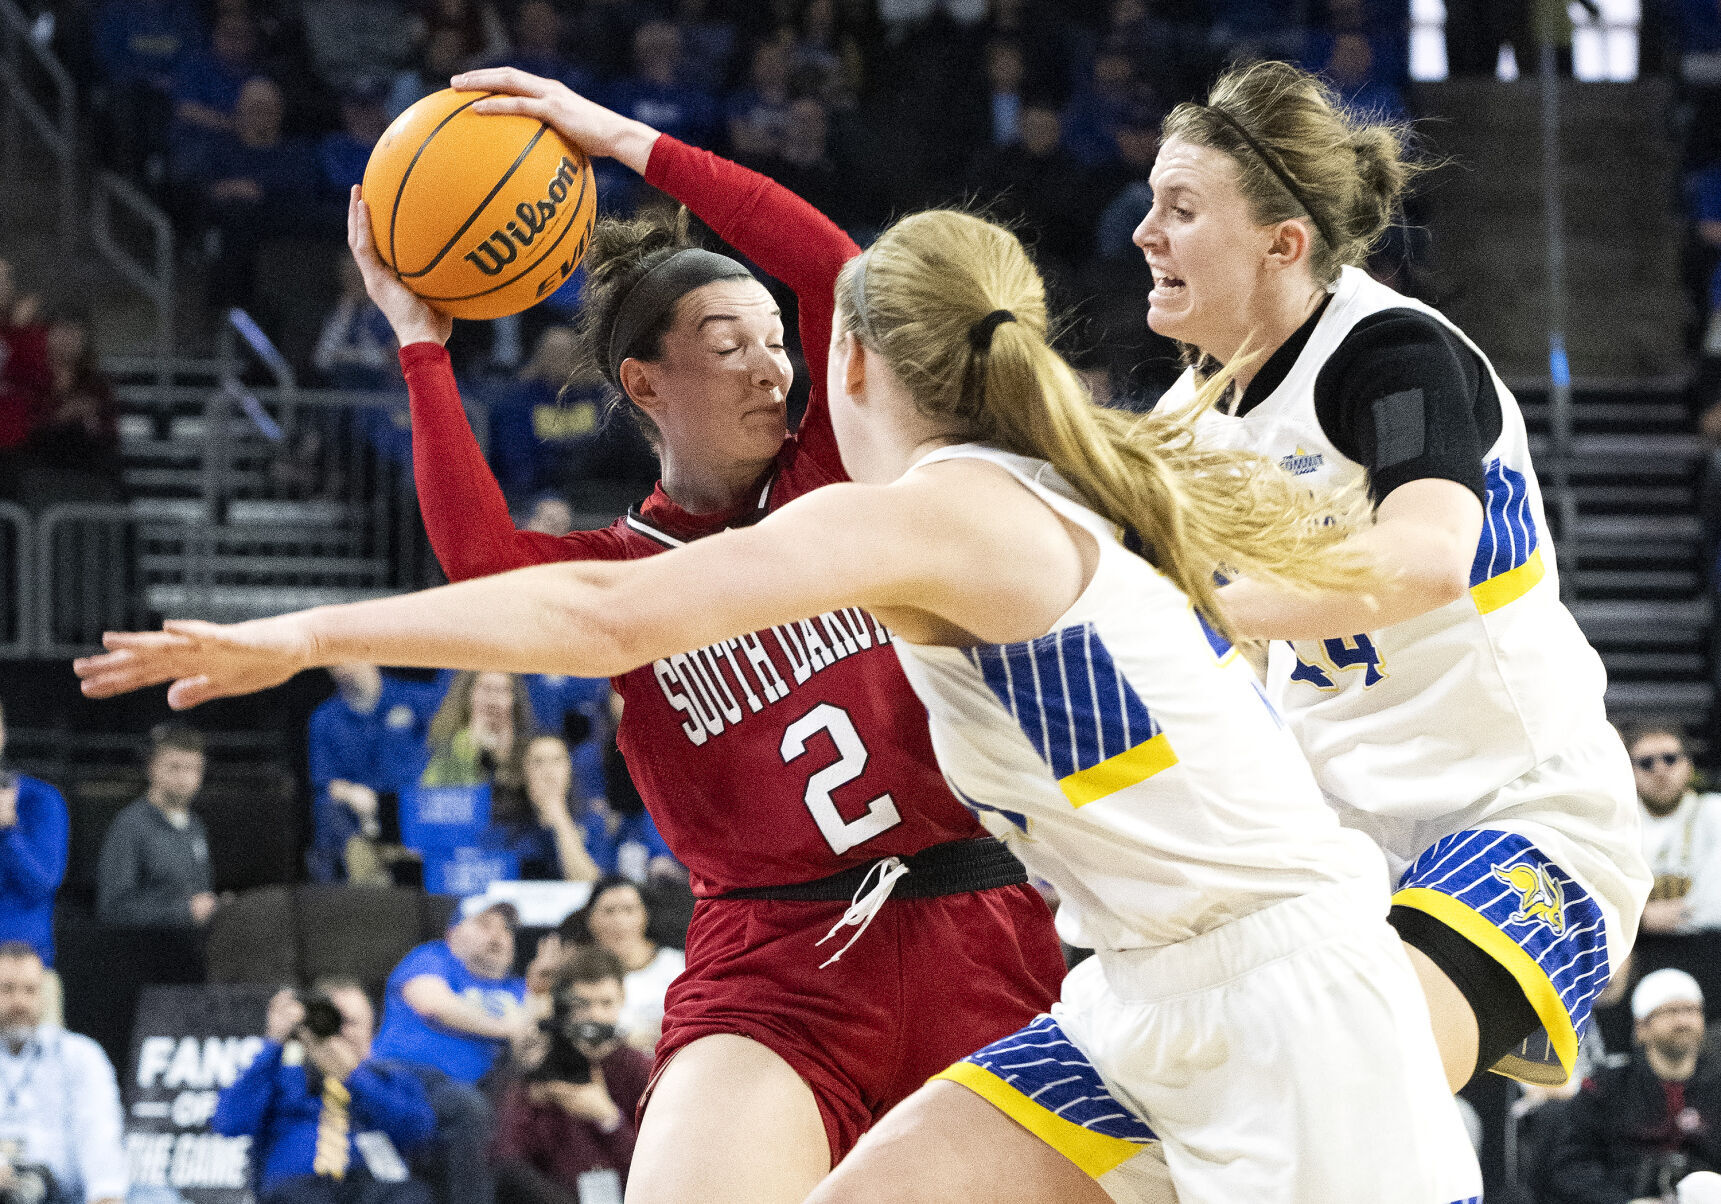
{"x": 1639, "y": 1132}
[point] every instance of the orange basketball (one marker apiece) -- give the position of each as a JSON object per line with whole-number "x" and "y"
{"x": 482, "y": 216}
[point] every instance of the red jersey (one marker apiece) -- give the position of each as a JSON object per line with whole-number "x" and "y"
{"x": 785, "y": 755}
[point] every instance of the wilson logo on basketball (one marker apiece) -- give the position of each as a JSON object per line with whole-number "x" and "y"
{"x": 502, "y": 247}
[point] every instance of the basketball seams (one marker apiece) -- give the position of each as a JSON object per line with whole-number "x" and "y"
{"x": 484, "y": 204}
{"x": 394, "y": 210}
{"x": 574, "y": 213}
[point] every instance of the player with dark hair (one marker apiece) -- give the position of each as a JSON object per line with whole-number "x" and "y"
{"x": 789, "y": 769}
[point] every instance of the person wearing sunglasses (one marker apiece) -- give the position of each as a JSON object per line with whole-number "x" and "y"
{"x": 1681, "y": 832}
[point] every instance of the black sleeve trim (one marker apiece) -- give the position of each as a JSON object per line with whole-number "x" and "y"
{"x": 1407, "y": 399}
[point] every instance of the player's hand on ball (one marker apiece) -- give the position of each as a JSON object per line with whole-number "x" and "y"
{"x": 598, "y": 131}
{"x": 202, "y": 660}
{"x": 409, "y": 316}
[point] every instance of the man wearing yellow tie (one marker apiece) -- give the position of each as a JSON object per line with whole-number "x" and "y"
{"x": 329, "y": 1125}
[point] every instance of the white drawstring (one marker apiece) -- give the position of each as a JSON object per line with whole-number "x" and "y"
{"x": 866, "y": 903}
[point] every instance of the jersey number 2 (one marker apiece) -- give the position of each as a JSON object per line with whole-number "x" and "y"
{"x": 881, "y": 814}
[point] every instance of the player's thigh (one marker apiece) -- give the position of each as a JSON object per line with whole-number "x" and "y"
{"x": 945, "y": 1143}
{"x": 729, "y": 1122}
{"x": 1454, "y": 1020}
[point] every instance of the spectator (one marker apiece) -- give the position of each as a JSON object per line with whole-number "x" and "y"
{"x": 34, "y": 834}
{"x": 565, "y": 1129}
{"x": 538, "y": 46}
{"x": 328, "y": 1123}
{"x": 445, "y": 51}
{"x": 257, "y": 187}
{"x": 616, "y": 919}
{"x": 1122, "y": 188}
{"x": 1706, "y": 209}
{"x": 483, "y": 35}
{"x": 657, "y": 94}
{"x": 479, "y": 733}
{"x": 59, "y": 1101}
{"x": 1034, "y": 186}
{"x": 365, "y": 742}
{"x": 351, "y": 39}
{"x": 454, "y": 1004}
{"x": 138, "y": 47}
{"x": 356, "y": 349}
{"x": 343, "y": 154}
{"x": 154, "y": 868}
{"x": 539, "y": 827}
{"x": 1681, "y": 834}
{"x": 1360, "y": 70}
{"x": 24, "y": 374}
{"x": 603, "y": 30}
{"x": 1005, "y": 70}
{"x": 1094, "y": 113}
{"x": 620, "y": 834}
{"x": 72, "y": 454}
{"x": 1634, "y": 1130}
{"x": 759, "y": 113}
{"x": 206, "y": 87}
{"x": 709, "y": 43}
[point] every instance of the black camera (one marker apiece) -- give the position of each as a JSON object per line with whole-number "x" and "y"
{"x": 563, "y": 1060}
{"x": 322, "y": 1018}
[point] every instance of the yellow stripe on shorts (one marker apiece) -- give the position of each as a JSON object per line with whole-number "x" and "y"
{"x": 1509, "y": 586}
{"x": 1538, "y": 988}
{"x": 1116, "y": 773}
{"x": 1093, "y": 1153}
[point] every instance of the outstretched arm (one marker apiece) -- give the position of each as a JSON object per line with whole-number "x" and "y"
{"x": 926, "y": 555}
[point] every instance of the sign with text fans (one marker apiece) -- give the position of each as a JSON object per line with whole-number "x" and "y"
{"x": 482, "y": 215}
{"x": 187, "y": 1044}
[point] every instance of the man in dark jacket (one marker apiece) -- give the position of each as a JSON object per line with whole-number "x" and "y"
{"x": 1636, "y": 1130}
{"x": 154, "y": 870}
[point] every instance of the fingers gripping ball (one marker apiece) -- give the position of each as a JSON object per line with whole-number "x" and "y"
{"x": 480, "y": 215}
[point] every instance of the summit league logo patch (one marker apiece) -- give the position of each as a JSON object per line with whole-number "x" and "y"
{"x": 1301, "y": 463}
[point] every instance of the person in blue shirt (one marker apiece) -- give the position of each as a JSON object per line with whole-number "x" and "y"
{"x": 142, "y": 41}
{"x": 206, "y": 87}
{"x": 454, "y": 1004}
{"x": 302, "y": 1087}
{"x": 365, "y": 741}
{"x": 619, "y": 833}
{"x": 342, "y": 154}
{"x": 536, "y": 826}
{"x": 34, "y": 831}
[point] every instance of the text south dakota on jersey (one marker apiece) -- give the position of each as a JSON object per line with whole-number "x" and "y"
{"x": 721, "y": 684}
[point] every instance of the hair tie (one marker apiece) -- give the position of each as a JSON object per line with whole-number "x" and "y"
{"x": 1278, "y": 170}
{"x": 980, "y": 334}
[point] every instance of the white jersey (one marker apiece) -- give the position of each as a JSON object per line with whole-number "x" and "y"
{"x": 1129, "y": 757}
{"x": 1420, "y": 719}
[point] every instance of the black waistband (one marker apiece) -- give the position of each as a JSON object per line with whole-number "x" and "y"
{"x": 952, "y": 868}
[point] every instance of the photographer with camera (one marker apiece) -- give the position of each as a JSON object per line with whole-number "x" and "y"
{"x": 59, "y": 1103}
{"x": 565, "y": 1130}
{"x": 330, "y": 1125}
{"x": 1639, "y": 1133}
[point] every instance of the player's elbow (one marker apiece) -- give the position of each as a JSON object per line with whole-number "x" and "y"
{"x": 604, "y": 633}
{"x": 1438, "y": 576}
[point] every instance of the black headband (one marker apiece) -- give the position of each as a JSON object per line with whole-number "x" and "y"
{"x": 1274, "y": 166}
{"x": 666, "y": 283}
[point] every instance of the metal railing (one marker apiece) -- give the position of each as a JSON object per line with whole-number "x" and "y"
{"x": 53, "y": 121}
{"x": 17, "y": 620}
{"x": 154, "y": 279}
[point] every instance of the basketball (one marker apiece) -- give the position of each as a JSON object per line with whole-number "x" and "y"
{"x": 480, "y": 215}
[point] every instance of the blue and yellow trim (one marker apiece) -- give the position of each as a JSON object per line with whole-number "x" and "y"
{"x": 1069, "y": 698}
{"x": 1094, "y": 1153}
{"x": 1128, "y": 768}
{"x": 1509, "y": 586}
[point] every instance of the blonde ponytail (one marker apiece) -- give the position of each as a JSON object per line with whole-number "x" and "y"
{"x": 916, "y": 295}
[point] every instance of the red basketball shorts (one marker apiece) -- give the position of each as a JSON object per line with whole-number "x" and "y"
{"x": 931, "y": 981}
